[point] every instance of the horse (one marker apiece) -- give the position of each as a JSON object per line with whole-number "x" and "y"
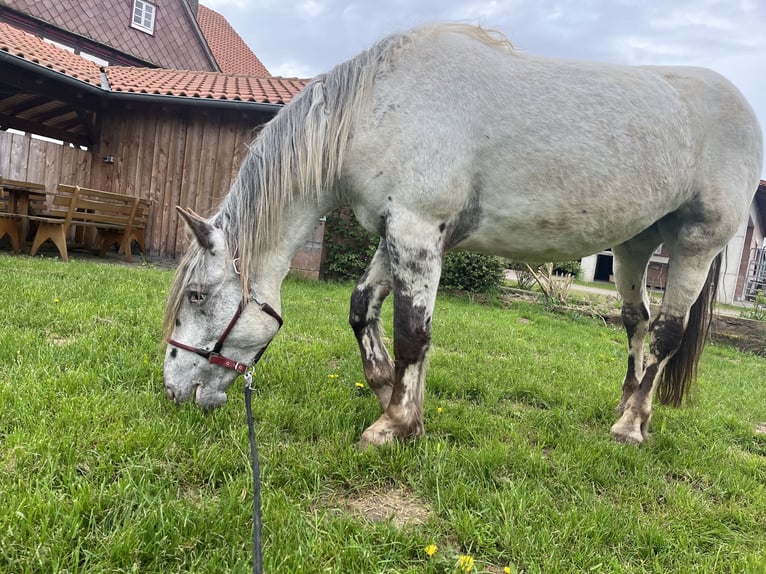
{"x": 447, "y": 137}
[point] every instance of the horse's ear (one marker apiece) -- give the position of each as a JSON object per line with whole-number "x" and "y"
{"x": 201, "y": 229}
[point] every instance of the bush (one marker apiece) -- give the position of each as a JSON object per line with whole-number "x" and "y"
{"x": 472, "y": 272}
{"x": 572, "y": 268}
{"x": 349, "y": 249}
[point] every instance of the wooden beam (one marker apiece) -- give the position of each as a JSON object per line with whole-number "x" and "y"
{"x": 43, "y": 130}
{"x": 27, "y": 104}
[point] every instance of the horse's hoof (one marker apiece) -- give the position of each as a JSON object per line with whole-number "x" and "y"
{"x": 626, "y": 435}
{"x": 376, "y": 437}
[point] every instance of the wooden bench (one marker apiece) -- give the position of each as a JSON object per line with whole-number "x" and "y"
{"x": 118, "y": 219}
{"x": 19, "y": 199}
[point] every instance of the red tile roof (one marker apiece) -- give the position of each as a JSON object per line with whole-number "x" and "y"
{"x": 178, "y": 83}
{"x": 228, "y": 48}
{"x": 33, "y": 49}
{"x": 209, "y": 85}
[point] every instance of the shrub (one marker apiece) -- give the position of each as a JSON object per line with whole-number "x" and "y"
{"x": 472, "y": 272}
{"x": 572, "y": 268}
{"x": 349, "y": 249}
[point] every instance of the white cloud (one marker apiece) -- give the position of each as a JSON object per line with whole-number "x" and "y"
{"x": 310, "y": 9}
{"x": 219, "y": 5}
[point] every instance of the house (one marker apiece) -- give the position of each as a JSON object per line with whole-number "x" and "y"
{"x": 744, "y": 265}
{"x": 139, "y": 33}
{"x": 170, "y": 124}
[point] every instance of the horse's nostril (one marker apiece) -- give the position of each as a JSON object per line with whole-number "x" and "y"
{"x": 170, "y": 393}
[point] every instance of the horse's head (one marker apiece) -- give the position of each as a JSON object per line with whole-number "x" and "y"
{"x": 214, "y": 331}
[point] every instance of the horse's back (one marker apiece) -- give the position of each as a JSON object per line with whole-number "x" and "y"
{"x": 722, "y": 122}
{"x": 566, "y": 157}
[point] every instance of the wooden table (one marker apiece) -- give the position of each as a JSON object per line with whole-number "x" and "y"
{"x": 22, "y": 196}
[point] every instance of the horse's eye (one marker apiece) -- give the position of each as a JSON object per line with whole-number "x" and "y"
{"x": 197, "y": 297}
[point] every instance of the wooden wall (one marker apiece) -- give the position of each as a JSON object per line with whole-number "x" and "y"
{"x": 172, "y": 157}
{"x": 28, "y": 159}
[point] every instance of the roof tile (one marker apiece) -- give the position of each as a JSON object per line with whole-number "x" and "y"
{"x": 180, "y": 83}
{"x": 203, "y": 84}
{"x": 228, "y": 48}
{"x": 33, "y": 49}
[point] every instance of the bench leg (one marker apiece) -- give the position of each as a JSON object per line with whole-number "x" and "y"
{"x": 54, "y": 232}
{"x": 109, "y": 238}
{"x": 11, "y": 228}
{"x": 138, "y": 237}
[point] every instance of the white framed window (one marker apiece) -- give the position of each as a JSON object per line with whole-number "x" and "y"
{"x": 143, "y": 16}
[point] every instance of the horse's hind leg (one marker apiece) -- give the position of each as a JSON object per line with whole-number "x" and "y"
{"x": 415, "y": 259}
{"x": 630, "y": 261}
{"x": 364, "y": 317}
{"x": 676, "y": 341}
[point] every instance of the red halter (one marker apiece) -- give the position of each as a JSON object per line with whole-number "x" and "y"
{"x": 214, "y": 357}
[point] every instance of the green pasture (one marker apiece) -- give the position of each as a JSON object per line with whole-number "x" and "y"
{"x": 100, "y": 473}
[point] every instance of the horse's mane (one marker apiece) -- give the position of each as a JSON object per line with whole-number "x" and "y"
{"x": 299, "y": 154}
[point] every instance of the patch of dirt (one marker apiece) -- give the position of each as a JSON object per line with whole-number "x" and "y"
{"x": 744, "y": 334}
{"x": 400, "y": 505}
{"x": 760, "y": 428}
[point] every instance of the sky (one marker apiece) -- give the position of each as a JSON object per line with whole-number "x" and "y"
{"x": 302, "y": 38}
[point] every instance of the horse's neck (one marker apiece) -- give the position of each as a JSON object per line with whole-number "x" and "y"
{"x": 297, "y": 224}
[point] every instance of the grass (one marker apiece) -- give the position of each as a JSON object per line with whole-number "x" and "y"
{"x": 100, "y": 473}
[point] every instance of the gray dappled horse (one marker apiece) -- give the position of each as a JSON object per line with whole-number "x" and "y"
{"x": 447, "y": 138}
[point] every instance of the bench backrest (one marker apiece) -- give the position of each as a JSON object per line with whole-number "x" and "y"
{"x": 4, "y": 207}
{"x": 81, "y": 204}
{"x": 142, "y": 214}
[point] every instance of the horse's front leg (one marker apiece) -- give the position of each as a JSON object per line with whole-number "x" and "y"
{"x": 416, "y": 268}
{"x": 364, "y": 317}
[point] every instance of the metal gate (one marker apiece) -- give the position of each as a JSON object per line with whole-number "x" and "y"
{"x": 756, "y": 273}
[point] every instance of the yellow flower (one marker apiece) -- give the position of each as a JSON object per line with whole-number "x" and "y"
{"x": 359, "y": 385}
{"x": 507, "y": 570}
{"x": 430, "y": 550}
{"x": 439, "y": 410}
{"x": 332, "y": 376}
{"x": 57, "y": 300}
{"x": 466, "y": 563}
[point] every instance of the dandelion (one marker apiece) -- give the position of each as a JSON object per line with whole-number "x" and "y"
{"x": 332, "y": 376}
{"x": 359, "y": 385}
{"x": 507, "y": 570}
{"x": 439, "y": 410}
{"x": 430, "y": 550}
{"x": 465, "y": 563}
{"x": 57, "y": 300}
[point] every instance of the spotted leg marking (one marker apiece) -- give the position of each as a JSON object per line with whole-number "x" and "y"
{"x": 364, "y": 318}
{"x": 633, "y": 426}
{"x": 415, "y": 260}
{"x": 686, "y": 277}
{"x": 630, "y": 262}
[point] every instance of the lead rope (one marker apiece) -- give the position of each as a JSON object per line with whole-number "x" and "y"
{"x": 257, "y": 525}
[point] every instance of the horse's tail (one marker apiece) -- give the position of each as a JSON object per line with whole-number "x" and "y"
{"x": 681, "y": 369}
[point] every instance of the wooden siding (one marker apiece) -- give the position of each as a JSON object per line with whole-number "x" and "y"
{"x": 170, "y": 157}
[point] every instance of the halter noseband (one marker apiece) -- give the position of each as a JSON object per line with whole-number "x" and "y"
{"x": 214, "y": 357}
